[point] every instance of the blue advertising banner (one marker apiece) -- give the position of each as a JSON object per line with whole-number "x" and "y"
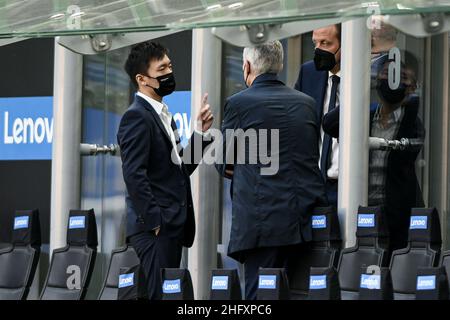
{"x": 26, "y": 128}
{"x": 179, "y": 104}
{"x": 26, "y": 125}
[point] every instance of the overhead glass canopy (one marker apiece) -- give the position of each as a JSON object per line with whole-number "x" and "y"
{"x": 38, "y": 18}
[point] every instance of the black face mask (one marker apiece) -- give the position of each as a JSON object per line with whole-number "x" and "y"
{"x": 389, "y": 95}
{"x": 324, "y": 60}
{"x": 166, "y": 84}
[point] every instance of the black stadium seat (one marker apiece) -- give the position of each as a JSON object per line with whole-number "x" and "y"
{"x": 445, "y": 262}
{"x": 376, "y": 284}
{"x": 76, "y": 260}
{"x": 371, "y": 248}
{"x": 322, "y": 252}
{"x": 132, "y": 284}
{"x": 422, "y": 251}
{"x": 18, "y": 261}
{"x": 124, "y": 257}
{"x": 177, "y": 284}
{"x": 225, "y": 285}
{"x": 431, "y": 283}
{"x": 272, "y": 284}
{"x": 324, "y": 284}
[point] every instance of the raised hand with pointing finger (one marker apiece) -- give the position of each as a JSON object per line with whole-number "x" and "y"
{"x": 205, "y": 117}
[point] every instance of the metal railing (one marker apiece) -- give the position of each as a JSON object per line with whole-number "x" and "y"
{"x": 402, "y": 144}
{"x": 87, "y": 149}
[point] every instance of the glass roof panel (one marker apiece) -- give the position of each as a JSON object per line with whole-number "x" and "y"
{"x": 38, "y": 18}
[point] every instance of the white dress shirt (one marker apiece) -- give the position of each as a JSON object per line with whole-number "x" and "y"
{"x": 333, "y": 170}
{"x": 166, "y": 118}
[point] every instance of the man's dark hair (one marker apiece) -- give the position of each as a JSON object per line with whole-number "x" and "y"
{"x": 140, "y": 57}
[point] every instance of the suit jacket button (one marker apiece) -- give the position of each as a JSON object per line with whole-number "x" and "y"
{"x": 183, "y": 203}
{"x": 183, "y": 182}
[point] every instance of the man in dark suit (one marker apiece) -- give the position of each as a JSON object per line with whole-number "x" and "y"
{"x": 160, "y": 215}
{"x": 271, "y": 209}
{"x": 393, "y": 183}
{"x": 320, "y": 79}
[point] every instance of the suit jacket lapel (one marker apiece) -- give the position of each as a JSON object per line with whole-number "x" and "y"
{"x": 155, "y": 116}
{"x": 158, "y": 121}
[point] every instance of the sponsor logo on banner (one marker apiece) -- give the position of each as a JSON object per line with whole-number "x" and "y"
{"x": 77, "y": 222}
{"x": 21, "y": 222}
{"x": 317, "y": 282}
{"x": 370, "y": 281}
{"x": 319, "y": 222}
{"x": 172, "y": 286}
{"x": 219, "y": 283}
{"x": 418, "y": 222}
{"x": 267, "y": 282}
{"x": 366, "y": 220}
{"x": 426, "y": 283}
{"x": 126, "y": 280}
{"x": 26, "y": 128}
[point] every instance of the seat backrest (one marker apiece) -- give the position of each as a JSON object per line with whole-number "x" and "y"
{"x": 445, "y": 262}
{"x": 124, "y": 257}
{"x": 322, "y": 251}
{"x": 71, "y": 267}
{"x": 376, "y": 284}
{"x": 176, "y": 284}
{"x": 272, "y": 284}
{"x": 132, "y": 284}
{"x": 225, "y": 285}
{"x": 18, "y": 266}
{"x": 324, "y": 284}
{"x": 18, "y": 262}
{"x": 432, "y": 284}
{"x": 423, "y": 250}
{"x": 69, "y": 273}
{"x": 371, "y": 248}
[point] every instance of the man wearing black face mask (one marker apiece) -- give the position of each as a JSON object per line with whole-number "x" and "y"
{"x": 160, "y": 215}
{"x": 393, "y": 183}
{"x": 382, "y": 40}
{"x": 320, "y": 79}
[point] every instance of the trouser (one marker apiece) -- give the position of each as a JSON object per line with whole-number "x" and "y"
{"x": 268, "y": 257}
{"x": 398, "y": 225}
{"x": 331, "y": 187}
{"x": 155, "y": 253}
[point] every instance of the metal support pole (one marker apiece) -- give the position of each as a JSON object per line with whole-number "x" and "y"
{"x": 65, "y": 190}
{"x": 439, "y": 131}
{"x": 354, "y": 125}
{"x": 206, "y": 75}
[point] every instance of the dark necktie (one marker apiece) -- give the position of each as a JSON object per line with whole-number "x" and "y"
{"x": 327, "y": 142}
